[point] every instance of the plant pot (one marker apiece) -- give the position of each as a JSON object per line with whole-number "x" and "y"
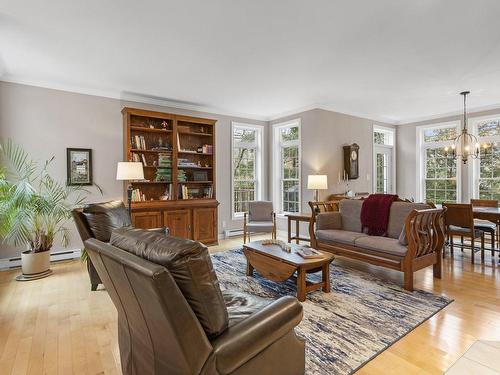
{"x": 34, "y": 265}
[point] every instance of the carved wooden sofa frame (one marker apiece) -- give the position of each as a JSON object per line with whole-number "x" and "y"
{"x": 424, "y": 232}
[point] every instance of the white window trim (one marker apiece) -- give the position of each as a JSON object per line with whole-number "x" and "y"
{"x": 384, "y": 129}
{"x": 259, "y": 175}
{"x": 420, "y": 155}
{"x": 276, "y": 150}
{"x": 473, "y": 168}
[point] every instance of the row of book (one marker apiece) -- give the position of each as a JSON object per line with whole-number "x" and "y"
{"x": 139, "y": 142}
{"x": 140, "y": 158}
{"x": 207, "y": 149}
{"x": 138, "y": 196}
{"x": 186, "y": 192}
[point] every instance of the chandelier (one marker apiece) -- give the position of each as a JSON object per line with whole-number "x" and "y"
{"x": 465, "y": 145}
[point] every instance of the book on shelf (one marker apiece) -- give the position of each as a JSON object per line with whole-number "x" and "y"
{"x": 139, "y": 142}
{"x": 138, "y": 196}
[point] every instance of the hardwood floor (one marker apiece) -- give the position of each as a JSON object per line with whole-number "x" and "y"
{"x": 57, "y": 326}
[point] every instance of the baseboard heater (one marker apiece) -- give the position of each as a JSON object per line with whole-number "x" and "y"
{"x": 15, "y": 262}
{"x": 233, "y": 233}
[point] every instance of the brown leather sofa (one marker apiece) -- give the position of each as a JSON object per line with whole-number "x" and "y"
{"x": 97, "y": 220}
{"x": 174, "y": 319}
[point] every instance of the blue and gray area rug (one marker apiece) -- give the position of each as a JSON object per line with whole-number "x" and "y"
{"x": 344, "y": 329}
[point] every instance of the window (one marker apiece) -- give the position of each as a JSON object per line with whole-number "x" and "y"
{"x": 246, "y": 166}
{"x": 383, "y": 160}
{"x": 438, "y": 174}
{"x": 487, "y": 169}
{"x": 287, "y": 170}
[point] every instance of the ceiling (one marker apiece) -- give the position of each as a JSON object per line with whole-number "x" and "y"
{"x": 389, "y": 60}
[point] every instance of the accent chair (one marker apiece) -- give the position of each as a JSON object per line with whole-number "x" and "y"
{"x": 97, "y": 220}
{"x": 174, "y": 319}
{"x": 260, "y": 218}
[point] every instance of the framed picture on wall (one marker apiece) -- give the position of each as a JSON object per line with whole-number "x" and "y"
{"x": 79, "y": 166}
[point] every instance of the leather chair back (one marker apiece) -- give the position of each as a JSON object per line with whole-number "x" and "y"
{"x": 158, "y": 332}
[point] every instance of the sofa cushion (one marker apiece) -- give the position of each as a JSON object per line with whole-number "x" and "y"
{"x": 398, "y": 214}
{"x": 191, "y": 267}
{"x": 350, "y": 210}
{"x": 329, "y": 220}
{"x": 383, "y": 244}
{"x": 242, "y": 305}
{"x": 102, "y": 218}
{"x": 260, "y": 226}
{"x": 338, "y": 235}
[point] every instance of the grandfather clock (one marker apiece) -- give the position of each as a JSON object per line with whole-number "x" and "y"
{"x": 351, "y": 161}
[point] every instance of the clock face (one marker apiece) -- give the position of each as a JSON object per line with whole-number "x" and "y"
{"x": 354, "y": 155}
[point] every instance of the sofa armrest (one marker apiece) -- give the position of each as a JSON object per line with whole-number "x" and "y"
{"x": 328, "y": 220}
{"x": 241, "y": 342}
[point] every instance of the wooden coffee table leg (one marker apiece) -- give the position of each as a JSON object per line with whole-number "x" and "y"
{"x": 249, "y": 269}
{"x": 301, "y": 285}
{"x": 326, "y": 277}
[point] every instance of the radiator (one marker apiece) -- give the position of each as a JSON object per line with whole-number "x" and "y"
{"x": 15, "y": 262}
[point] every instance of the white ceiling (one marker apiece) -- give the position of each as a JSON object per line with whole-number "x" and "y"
{"x": 389, "y": 60}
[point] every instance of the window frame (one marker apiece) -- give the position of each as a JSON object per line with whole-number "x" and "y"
{"x": 259, "y": 153}
{"x": 277, "y": 193}
{"x": 421, "y": 152}
{"x": 473, "y": 168}
{"x": 392, "y": 148}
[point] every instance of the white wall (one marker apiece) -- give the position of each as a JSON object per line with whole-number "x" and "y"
{"x": 323, "y": 133}
{"x": 45, "y": 122}
{"x": 406, "y": 155}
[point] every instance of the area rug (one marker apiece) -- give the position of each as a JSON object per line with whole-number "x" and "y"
{"x": 344, "y": 329}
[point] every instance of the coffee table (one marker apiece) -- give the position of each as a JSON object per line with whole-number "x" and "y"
{"x": 275, "y": 264}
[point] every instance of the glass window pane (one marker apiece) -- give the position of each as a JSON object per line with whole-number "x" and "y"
{"x": 290, "y": 134}
{"x": 439, "y": 135}
{"x": 244, "y": 135}
{"x": 489, "y": 128}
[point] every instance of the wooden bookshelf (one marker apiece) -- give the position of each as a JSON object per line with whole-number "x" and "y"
{"x": 180, "y": 193}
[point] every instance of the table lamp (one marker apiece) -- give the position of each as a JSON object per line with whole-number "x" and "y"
{"x": 317, "y": 182}
{"x": 128, "y": 171}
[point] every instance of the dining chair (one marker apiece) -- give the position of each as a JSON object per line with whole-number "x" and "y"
{"x": 487, "y": 226}
{"x": 260, "y": 218}
{"x": 459, "y": 221}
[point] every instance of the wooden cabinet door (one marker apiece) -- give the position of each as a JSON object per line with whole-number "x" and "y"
{"x": 205, "y": 225}
{"x": 179, "y": 223}
{"x": 146, "y": 220}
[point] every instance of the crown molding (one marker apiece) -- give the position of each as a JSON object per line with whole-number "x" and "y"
{"x": 471, "y": 112}
{"x": 129, "y": 96}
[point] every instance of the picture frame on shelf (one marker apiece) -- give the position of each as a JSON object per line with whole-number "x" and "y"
{"x": 79, "y": 166}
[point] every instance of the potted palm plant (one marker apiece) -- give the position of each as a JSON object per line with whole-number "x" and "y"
{"x": 34, "y": 209}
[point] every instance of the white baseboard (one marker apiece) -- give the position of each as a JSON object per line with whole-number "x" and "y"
{"x": 15, "y": 262}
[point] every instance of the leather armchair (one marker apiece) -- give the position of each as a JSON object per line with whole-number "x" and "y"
{"x": 97, "y": 220}
{"x": 169, "y": 323}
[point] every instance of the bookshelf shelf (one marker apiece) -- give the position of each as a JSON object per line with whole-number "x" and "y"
{"x": 161, "y": 203}
{"x": 195, "y": 133}
{"x": 149, "y": 130}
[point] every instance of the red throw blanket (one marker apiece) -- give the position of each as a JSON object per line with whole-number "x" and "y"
{"x": 375, "y": 213}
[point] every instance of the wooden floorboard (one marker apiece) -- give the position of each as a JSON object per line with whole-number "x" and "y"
{"x": 58, "y": 326}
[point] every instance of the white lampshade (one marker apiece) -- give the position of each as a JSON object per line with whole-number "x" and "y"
{"x": 317, "y": 181}
{"x": 129, "y": 171}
